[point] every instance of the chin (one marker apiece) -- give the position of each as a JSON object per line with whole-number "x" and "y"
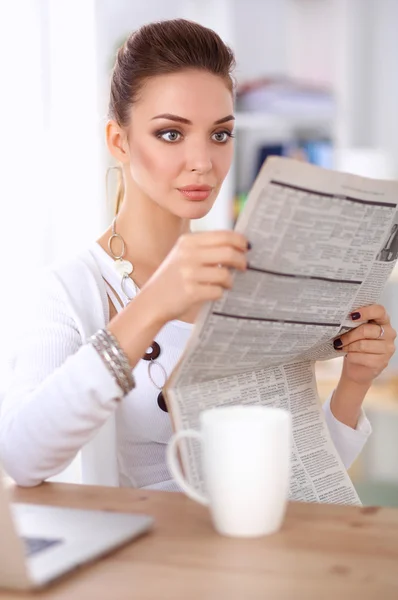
{"x": 194, "y": 210}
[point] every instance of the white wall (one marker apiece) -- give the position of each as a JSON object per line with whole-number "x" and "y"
{"x": 74, "y": 161}
{"x": 385, "y": 81}
{"x": 260, "y": 33}
{"x": 353, "y": 45}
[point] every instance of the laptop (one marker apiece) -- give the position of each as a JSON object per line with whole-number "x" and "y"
{"x": 38, "y": 544}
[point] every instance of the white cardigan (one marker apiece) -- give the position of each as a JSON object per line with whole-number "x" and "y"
{"x": 74, "y": 296}
{"x": 63, "y": 398}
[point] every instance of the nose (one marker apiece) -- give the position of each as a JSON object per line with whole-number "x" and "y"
{"x": 198, "y": 157}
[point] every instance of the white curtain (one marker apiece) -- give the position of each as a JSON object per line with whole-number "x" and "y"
{"x": 52, "y": 199}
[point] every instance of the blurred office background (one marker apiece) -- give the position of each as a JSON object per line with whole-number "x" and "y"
{"x": 318, "y": 79}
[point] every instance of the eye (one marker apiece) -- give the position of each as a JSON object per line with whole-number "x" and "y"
{"x": 222, "y": 136}
{"x": 171, "y": 135}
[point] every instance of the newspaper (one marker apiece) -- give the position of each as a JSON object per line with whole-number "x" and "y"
{"x": 324, "y": 244}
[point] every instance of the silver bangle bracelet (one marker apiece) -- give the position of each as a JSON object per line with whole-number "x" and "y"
{"x": 114, "y": 359}
{"x": 112, "y": 365}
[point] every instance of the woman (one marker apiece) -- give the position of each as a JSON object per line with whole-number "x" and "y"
{"x": 170, "y": 128}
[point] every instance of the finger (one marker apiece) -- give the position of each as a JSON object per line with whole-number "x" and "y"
{"x": 374, "y": 312}
{"x": 220, "y": 238}
{"x": 370, "y": 331}
{"x": 224, "y": 255}
{"x": 215, "y": 275}
{"x": 206, "y": 292}
{"x": 367, "y": 347}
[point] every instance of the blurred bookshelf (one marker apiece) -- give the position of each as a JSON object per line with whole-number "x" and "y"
{"x": 250, "y": 120}
{"x": 281, "y": 116}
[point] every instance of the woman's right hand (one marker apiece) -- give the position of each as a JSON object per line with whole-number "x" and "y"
{"x": 197, "y": 269}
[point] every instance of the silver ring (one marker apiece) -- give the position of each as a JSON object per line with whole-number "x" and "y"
{"x": 381, "y": 332}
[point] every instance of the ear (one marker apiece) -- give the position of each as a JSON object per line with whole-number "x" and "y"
{"x": 116, "y": 141}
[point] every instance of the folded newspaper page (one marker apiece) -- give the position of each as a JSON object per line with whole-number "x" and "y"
{"x": 324, "y": 244}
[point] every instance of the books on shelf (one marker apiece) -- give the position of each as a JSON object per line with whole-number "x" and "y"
{"x": 297, "y": 119}
{"x": 285, "y": 96}
{"x": 314, "y": 150}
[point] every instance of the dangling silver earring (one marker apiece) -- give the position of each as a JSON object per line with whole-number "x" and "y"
{"x": 117, "y": 168}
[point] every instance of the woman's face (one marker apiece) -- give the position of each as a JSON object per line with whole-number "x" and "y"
{"x": 179, "y": 137}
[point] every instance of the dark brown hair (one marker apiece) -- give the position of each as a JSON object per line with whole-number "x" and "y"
{"x": 161, "y": 48}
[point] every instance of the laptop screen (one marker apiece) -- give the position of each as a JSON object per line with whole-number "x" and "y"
{"x": 34, "y": 545}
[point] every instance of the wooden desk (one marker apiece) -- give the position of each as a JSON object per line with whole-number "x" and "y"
{"x": 323, "y": 552}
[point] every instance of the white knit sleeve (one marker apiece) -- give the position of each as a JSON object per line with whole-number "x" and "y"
{"x": 348, "y": 442}
{"x": 61, "y": 393}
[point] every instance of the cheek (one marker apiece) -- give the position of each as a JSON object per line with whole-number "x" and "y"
{"x": 222, "y": 161}
{"x": 150, "y": 164}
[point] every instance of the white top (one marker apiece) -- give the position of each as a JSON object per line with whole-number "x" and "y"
{"x": 62, "y": 397}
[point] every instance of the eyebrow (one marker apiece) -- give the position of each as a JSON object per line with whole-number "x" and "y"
{"x": 178, "y": 119}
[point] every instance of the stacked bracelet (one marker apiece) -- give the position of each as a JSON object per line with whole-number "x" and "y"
{"x": 114, "y": 359}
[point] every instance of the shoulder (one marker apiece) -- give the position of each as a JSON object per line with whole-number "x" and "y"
{"x": 74, "y": 288}
{"x": 61, "y": 307}
{"x": 79, "y": 268}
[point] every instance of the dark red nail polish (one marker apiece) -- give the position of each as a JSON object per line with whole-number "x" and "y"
{"x": 249, "y": 246}
{"x": 355, "y": 316}
{"x": 337, "y": 344}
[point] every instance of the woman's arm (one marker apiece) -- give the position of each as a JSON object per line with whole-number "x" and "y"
{"x": 348, "y": 442}
{"x": 369, "y": 349}
{"x": 346, "y": 402}
{"x": 61, "y": 392}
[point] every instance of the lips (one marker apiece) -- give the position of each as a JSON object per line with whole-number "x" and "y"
{"x": 196, "y": 192}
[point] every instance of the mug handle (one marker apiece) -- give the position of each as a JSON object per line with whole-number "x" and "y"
{"x": 174, "y": 464}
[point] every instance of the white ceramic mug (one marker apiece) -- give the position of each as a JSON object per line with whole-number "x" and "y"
{"x": 246, "y": 467}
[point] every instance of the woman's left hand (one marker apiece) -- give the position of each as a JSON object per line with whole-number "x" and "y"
{"x": 369, "y": 347}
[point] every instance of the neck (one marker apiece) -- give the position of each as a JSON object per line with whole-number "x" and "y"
{"x": 149, "y": 232}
